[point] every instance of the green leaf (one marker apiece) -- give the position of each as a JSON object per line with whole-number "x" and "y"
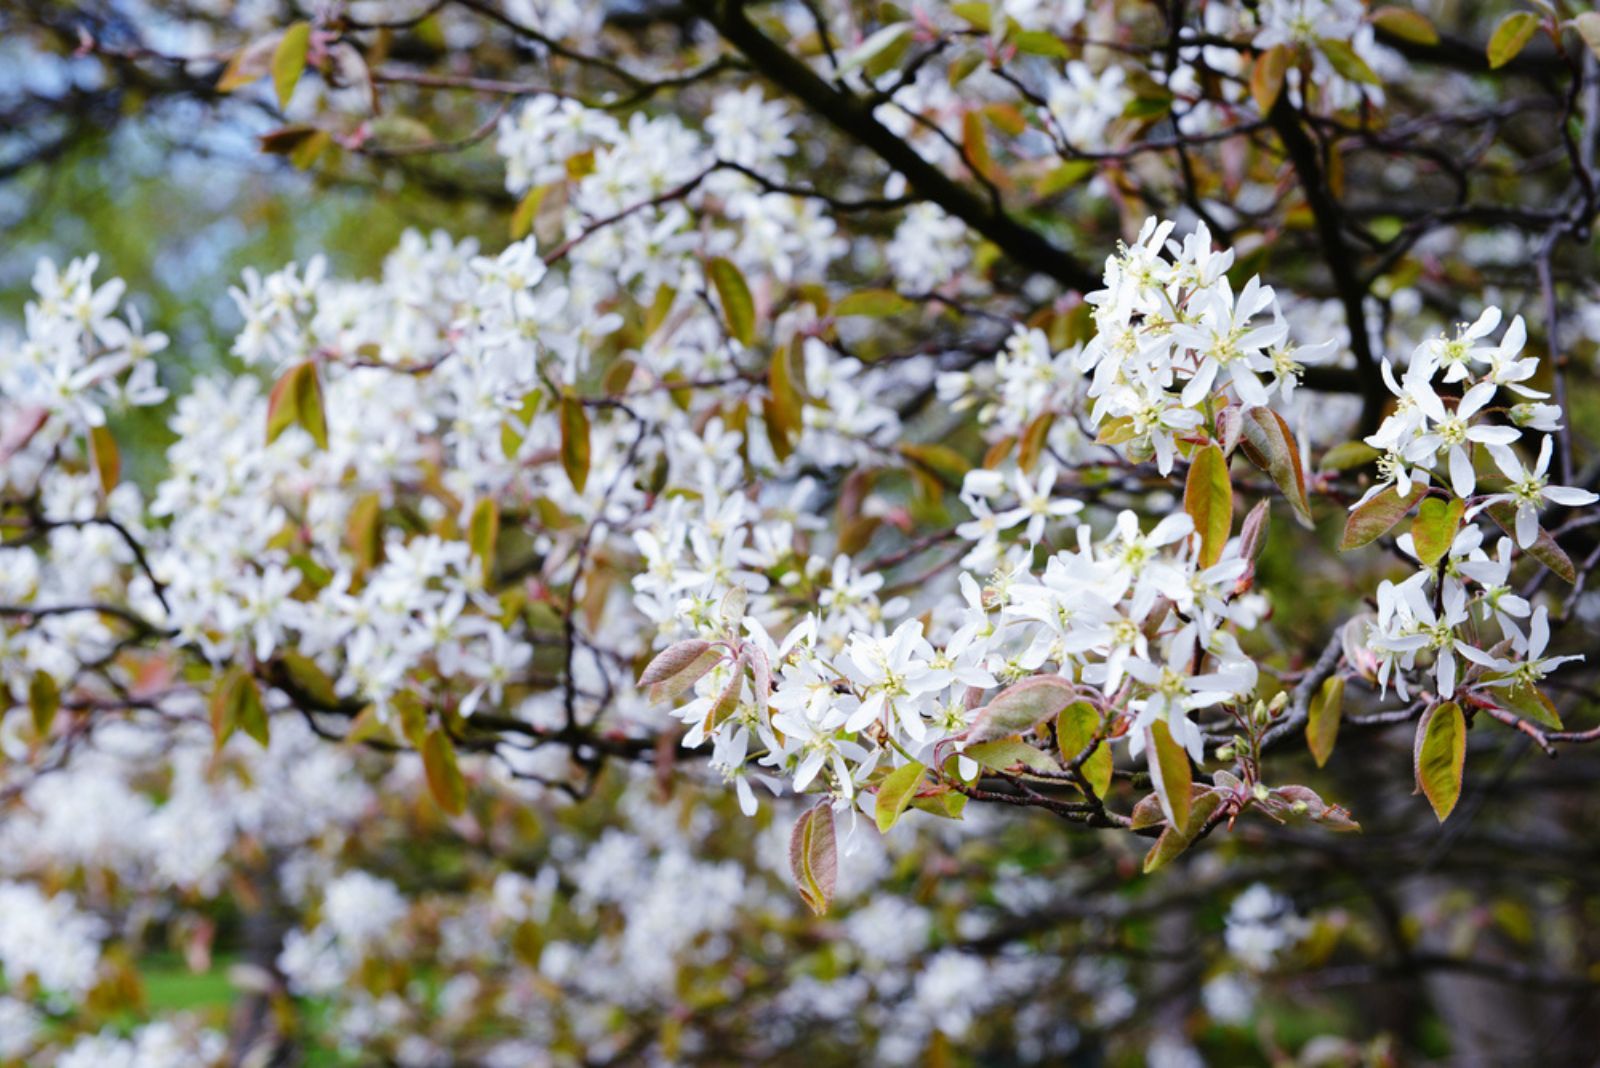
{"x": 785, "y": 413}
{"x": 942, "y": 802}
{"x": 1148, "y": 106}
{"x": 1323, "y": 715}
{"x": 527, "y": 210}
{"x": 44, "y": 701}
{"x": 1348, "y": 455}
{"x": 1440, "y": 756}
{"x": 1170, "y": 773}
{"x": 1173, "y": 840}
{"x": 895, "y": 794}
{"x": 309, "y": 680}
{"x": 289, "y": 60}
{"x": 738, "y": 309}
{"x": 236, "y": 705}
{"x": 1064, "y": 177}
{"x": 874, "y": 303}
{"x": 1266, "y": 77}
{"x": 296, "y": 400}
{"x": 1003, "y": 754}
{"x": 1271, "y": 447}
{"x": 814, "y": 857}
{"x": 1208, "y": 498}
{"x": 1435, "y": 528}
{"x": 106, "y": 460}
{"x": 976, "y": 13}
{"x": 1076, "y": 727}
{"x": 1529, "y": 703}
{"x": 1544, "y": 548}
{"x": 1407, "y": 25}
{"x": 483, "y": 532}
{"x": 1510, "y": 37}
{"x": 1021, "y": 707}
{"x": 950, "y": 466}
{"x": 413, "y": 718}
{"x": 1349, "y": 65}
{"x": 1375, "y": 518}
{"x": 575, "y": 441}
{"x": 1041, "y": 43}
{"x": 251, "y": 62}
{"x": 445, "y": 781}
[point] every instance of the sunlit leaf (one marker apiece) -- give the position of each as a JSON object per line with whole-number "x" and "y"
{"x": 1208, "y": 498}
{"x": 1440, "y": 756}
{"x": 895, "y": 794}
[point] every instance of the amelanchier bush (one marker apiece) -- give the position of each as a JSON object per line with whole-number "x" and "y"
{"x": 942, "y": 408}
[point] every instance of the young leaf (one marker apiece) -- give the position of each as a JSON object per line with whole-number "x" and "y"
{"x": 1266, "y": 77}
{"x": 1440, "y": 756}
{"x": 814, "y": 857}
{"x": 673, "y": 659}
{"x": 445, "y": 781}
{"x": 1435, "y": 528}
{"x": 738, "y": 310}
{"x": 1544, "y": 549}
{"x": 1345, "y": 60}
{"x": 949, "y": 466}
{"x": 1076, "y": 727}
{"x": 289, "y": 60}
{"x": 1170, "y": 773}
{"x": 1377, "y": 517}
{"x": 483, "y": 532}
{"x": 44, "y": 701}
{"x": 680, "y": 682}
{"x": 250, "y": 714}
{"x": 1348, "y": 455}
{"x": 1510, "y": 36}
{"x": 296, "y": 400}
{"x": 1003, "y": 754}
{"x": 1033, "y": 439}
{"x": 1301, "y": 802}
{"x": 527, "y": 210}
{"x": 309, "y": 681}
{"x": 1271, "y": 447}
{"x": 575, "y": 441}
{"x": 1407, "y": 25}
{"x": 1253, "y": 531}
{"x": 236, "y": 705}
{"x": 1322, "y": 722}
{"x": 895, "y": 793}
{"x": 785, "y": 416}
{"x": 1174, "y": 840}
{"x": 1208, "y": 498}
{"x": 873, "y": 303}
{"x": 251, "y": 62}
{"x": 1021, "y": 707}
{"x": 1529, "y": 703}
{"x": 107, "y": 461}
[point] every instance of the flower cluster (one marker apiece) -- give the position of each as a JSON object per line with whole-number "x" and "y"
{"x": 1445, "y": 422}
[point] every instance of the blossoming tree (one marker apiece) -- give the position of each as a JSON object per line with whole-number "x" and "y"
{"x": 878, "y": 421}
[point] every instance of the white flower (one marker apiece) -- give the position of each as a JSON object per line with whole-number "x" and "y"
{"x": 1037, "y": 503}
{"x": 1453, "y": 433}
{"x": 1534, "y": 665}
{"x": 1529, "y": 490}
